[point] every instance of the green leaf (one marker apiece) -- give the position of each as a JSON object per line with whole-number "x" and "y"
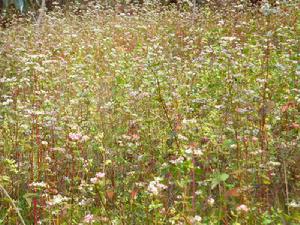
{"x": 214, "y": 183}
{"x": 218, "y": 178}
{"x": 155, "y": 206}
{"x": 4, "y": 179}
{"x": 224, "y": 176}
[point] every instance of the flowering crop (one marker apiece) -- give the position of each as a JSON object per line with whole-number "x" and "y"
{"x": 151, "y": 115}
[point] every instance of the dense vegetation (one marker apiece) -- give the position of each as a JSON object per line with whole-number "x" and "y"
{"x": 151, "y": 115}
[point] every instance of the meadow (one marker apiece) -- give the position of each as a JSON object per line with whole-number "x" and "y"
{"x": 151, "y": 115}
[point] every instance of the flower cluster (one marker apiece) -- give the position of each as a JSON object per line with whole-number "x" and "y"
{"x": 155, "y": 187}
{"x": 242, "y": 208}
{"x": 97, "y": 178}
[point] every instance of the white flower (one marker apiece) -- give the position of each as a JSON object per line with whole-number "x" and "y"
{"x": 57, "y": 199}
{"x": 177, "y": 161}
{"x": 210, "y": 201}
{"x": 155, "y": 186}
{"x": 294, "y": 204}
{"x": 242, "y": 208}
{"x": 199, "y": 192}
{"x": 94, "y": 180}
{"x": 38, "y": 184}
{"x": 44, "y": 143}
{"x": 196, "y": 219}
{"x": 182, "y": 138}
{"x": 189, "y": 121}
{"x": 221, "y": 22}
{"x": 261, "y": 80}
{"x": 188, "y": 151}
{"x": 152, "y": 188}
{"x": 233, "y": 146}
{"x": 228, "y": 38}
{"x": 83, "y": 202}
{"x": 271, "y": 163}
{"x": 7, "y": 102}
{"x": 198, "y": 152}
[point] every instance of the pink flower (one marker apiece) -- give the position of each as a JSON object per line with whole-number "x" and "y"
{"x": 242, "y": 208}
{"x": 100, "y": 175}
{"x": 89, "y": 218}
{"x": 75, "y": 136}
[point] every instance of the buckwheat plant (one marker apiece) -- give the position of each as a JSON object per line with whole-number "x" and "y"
{"x": 151, "y": 114}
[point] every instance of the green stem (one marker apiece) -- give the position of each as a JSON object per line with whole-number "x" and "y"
{"x": 13, "y": 204}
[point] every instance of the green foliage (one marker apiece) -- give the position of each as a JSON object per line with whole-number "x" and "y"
{"x": 218, "y": 179}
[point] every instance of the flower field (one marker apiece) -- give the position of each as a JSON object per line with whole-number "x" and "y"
{"x": 151, "y": 115}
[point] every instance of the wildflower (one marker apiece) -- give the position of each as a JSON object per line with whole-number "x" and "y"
{"x": 45, "y": 143}
{"x": 89, "y": 218}
{"x": 48, "y": 159}
{"x": 189, "y": 121}
{"x": 196, "y": 219}
{"x": 178, "y": 197}
{"x": 177, "y": 161}
{"x": 274, "y": 164}
{"x": 94, "y": 180}
{"x": 38, "y": 184}
{"x": 294, "y": 204}
{"x": 242, "y": 208}
{"x": 83, "y": 202}
{"x": 100, "y": 175}
{"x": 189, "y": 151}
{"x": 233, "y": 146}
{"x": 219, "y": 107}
{"x": 75, "y": 136}
{"x": 155, "y": 186}
{"x": 57, "y": 200}
{"x": 261, "y": 80}
{"x": 182, "y": 137}
{"x": 210, "y": 201}
{"x": 221, "y": 22}
{"x": 199, "y": 192}
{"x": 7, "y": 102}
{"x": 198, "y": 152}
{"x": 228, "y": 38}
